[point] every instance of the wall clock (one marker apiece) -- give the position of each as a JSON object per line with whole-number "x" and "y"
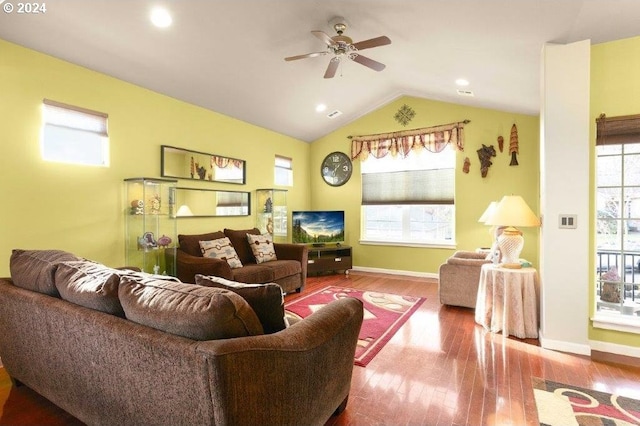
{"x": 336, "y": 168}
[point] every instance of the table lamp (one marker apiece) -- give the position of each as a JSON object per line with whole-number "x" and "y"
{"x": 512, "y": 211}
{"x": 486, "y": 215}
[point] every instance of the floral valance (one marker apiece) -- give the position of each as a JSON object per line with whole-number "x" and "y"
{"x": 433, "y": 139}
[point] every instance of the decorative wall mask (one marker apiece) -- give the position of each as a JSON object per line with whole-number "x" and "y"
{"x": 500, "y": 143}
{"x": 484, "y": 154}
{"x": 466, "y": 165}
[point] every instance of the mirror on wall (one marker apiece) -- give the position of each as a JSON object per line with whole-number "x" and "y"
{"x": 193, "y": 202}
{"x": 186, "y": 164}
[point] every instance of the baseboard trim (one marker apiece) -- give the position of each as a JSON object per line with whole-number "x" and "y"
{"x": 562, "y": 346}
{"x": 396, "y": 272}
{"x": 615, "y": 353}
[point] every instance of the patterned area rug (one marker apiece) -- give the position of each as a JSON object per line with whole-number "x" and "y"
{"x": 384, "y": 314}
{"x": 564, "y": 405}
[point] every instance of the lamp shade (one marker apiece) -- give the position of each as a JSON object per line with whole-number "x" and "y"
{"x": 488, "y": 212}
{"x": 512, "y": 210}
{"x": 184, "y": 210}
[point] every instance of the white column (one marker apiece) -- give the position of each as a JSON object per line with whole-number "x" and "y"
{"x": 564, "y": 189}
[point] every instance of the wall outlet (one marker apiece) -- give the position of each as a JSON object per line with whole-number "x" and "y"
{"x": 568, "y": 221}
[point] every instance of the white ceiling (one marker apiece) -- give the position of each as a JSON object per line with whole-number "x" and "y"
{"x": 228, "y": 55}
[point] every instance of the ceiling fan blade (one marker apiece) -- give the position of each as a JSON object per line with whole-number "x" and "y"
{"x": 367, "y": 62}
{"x": 332, "y": 68}
{"x": 324, "y": 37}
{"x": 307, "y": 55}
{"x": 372, "y": 42}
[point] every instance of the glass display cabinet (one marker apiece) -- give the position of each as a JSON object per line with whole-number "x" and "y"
{"x": 150, "y": 224}
{"x": 271, "y": 213}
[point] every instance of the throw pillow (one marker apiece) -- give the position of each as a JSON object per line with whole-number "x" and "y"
{"x": 239, "y": 241}
{"x": 35, "y": 269}
{"x": 262, "y": 247}
{"x": 188, "y": 310}
{"x": 190, "y": 244}
{"x": 221, "y": 249}
{"x": 266, "y": 300}
{"x": 91, "y": 285}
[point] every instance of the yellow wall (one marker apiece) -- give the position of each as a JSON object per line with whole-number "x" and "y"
{"x": 615, "y": 90}
{"x": 80, "y": 209}
{"x": 473, "y": 193}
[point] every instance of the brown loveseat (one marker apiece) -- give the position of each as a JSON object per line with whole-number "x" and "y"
{"x": 289, "y": 270}
{"x": 66, "y": 334}
{"x": 459, "y": 278}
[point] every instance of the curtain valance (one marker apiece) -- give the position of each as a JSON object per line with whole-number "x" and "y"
{"x": 617, "y": 130}
{"x": 433, "y": 139}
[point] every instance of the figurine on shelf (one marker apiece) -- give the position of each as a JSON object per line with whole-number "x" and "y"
{"x": 137, "y": 207}
{"x": 164, "y": 241}
{"x": 147, "y": 241}
{"x": 155, "y": 204}
{"x": 268, "y": 205}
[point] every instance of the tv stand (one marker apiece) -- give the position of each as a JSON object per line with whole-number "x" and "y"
{"x": 329, "y": 258}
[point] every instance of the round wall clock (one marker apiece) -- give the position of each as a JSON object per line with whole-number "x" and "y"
{"x": 336, "y": 168}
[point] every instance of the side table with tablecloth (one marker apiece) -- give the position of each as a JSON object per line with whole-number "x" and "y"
{"x": 508, "y": 301}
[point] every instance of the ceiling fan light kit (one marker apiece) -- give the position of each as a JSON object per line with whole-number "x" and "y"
{"x": 342, "y": 47}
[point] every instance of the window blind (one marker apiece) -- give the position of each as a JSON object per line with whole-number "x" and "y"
{"x": 617, "y": 130}
{"x": 435, "y": 186}
{"x": 61, "y": 115}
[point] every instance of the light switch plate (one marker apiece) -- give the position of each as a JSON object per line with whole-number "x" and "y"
{"x": 568, "y": 221}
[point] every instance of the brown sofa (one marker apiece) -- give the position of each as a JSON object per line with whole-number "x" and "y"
{"x": 289, "y": 270}
{"x": 104, "y": 368}
{"x": 459, "y": 278}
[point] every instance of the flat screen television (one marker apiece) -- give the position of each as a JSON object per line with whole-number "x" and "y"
{"x": 318, "y": 227}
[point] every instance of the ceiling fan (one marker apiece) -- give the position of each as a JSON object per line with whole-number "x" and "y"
{"x": 341, "y": 47}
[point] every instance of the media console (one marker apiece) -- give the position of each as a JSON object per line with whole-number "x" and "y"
{"x": 329, "y": 258}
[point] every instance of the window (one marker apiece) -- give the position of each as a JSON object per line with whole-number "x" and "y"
{"x": 618, "y": 218}
{"x": 74, "y": 135}
{"x": 283, "y": 171}
{"x": 409, "y": 200}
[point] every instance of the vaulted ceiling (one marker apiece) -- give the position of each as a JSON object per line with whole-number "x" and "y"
{"x": 228, "y": 55}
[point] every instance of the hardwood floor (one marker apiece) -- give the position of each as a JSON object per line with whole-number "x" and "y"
{"x": 440, "y": 368}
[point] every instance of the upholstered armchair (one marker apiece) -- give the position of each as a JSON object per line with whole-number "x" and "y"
{"x": 459, "y": 277}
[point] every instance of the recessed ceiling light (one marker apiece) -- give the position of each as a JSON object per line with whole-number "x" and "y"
{"x": 321, "y": 107}
{"x": 462, "y": 82}
{"x": 160, "y": 17}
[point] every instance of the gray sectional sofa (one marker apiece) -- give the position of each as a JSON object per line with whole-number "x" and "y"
{"x": 127, "y": 348}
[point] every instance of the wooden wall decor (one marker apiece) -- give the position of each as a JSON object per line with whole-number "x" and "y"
{"x": 466, "y": 165}
{"x": 513, "y": 145}
{"x": 500, "y": 143}
{"x": 484, "y": 154}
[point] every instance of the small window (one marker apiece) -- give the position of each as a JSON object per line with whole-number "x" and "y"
{"x": 74, "y": 135}
{"x": 283, "y": 171}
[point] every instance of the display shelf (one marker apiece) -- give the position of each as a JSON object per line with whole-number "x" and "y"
{"x": 150, "y": 224}
{"x": 271, "y": 213}
{"x": 330, "y": 258}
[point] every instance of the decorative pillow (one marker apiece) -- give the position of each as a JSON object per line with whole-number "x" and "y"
{"x": 188, "y": 310}
{"x": 262, "y": 247}
{"x": 266, "y": 300}
{"x": 221, "y": 249}
{"x": 91, "y": 285}
{"x": 35, "y": 269}
{"x": 239, "y": 241}
{"x": 190, "y": 244}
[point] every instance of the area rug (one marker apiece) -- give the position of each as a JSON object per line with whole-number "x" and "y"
{"x": 384, "y": 314}
{"x": 563, "y": 405}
